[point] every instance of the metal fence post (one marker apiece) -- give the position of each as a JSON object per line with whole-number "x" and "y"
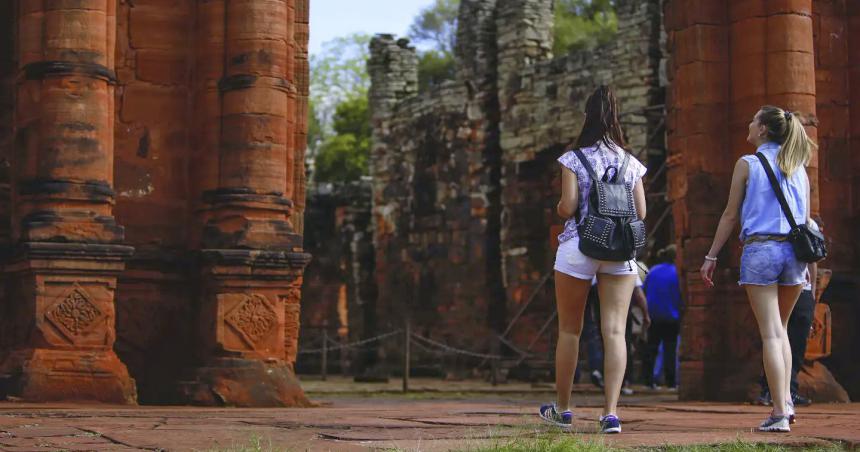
{"x": 406, "y": 357}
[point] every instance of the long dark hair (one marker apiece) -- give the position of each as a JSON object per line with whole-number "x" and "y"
{"x": 601, "y": 120}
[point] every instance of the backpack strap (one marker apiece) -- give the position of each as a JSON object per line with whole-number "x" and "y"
{"x": 623, "y": 169}
{"x": 777, "y": 190}
{"x": 585, "y": 163}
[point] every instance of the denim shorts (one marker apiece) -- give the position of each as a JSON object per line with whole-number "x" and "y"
{"x": 771, "y": 262}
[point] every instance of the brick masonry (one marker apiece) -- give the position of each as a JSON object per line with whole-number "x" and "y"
{"x": 464, "y": 178}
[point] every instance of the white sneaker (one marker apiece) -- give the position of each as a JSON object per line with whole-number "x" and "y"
{"x": 789, "y": 410}
{"x": 775, "y": 424}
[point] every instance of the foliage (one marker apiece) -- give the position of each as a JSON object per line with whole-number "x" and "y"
{"x": 434, "y": 67}
{"x": 583, "y": 24}
{"x": 436, "y": 25}
{"x": 338, "y": 73}
{"x": 435, "y": 29}
{"x": 343, "y": 156}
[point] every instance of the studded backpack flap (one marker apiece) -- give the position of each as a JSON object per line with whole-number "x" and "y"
{"x": 611, "y": 231}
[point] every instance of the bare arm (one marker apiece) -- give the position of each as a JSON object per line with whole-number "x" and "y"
{"x": 729, "y": 219}
{"x": 639, "y": 198}
{"x": 569, "y": 201}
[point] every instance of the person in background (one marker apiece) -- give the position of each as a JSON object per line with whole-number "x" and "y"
{"x": 663, "y": 292}
{"x": 593, "y": 338}
{"x": 799, "y": 326}
{"x": 640, "y": 302}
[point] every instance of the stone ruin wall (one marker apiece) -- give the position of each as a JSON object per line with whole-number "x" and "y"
{"x": 464, "y": 177}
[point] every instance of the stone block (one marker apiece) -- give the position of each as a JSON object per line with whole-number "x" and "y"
{"x": 152, "y": 104}
{"x": 790, "y": 72}
{"x": 171, "y": 23}
{"x": 745, "y": 9}
{"x": 160, "y": 66}
{"x": 748, "y": 37}
{"x": 785, "y": 7}
{"x": 789, "y": 33}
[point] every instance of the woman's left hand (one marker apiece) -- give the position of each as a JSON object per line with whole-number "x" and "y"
{"x": 707, "y": 272}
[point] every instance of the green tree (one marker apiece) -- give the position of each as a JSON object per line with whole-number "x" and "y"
{"x": 343, "y": 156}
{"x": 583, "y": 24}
{"x": 435, "y": 30}
{"x": 338, "y": 73}
{"x": 436, "y": 25}
{"x": 434, "y": 67}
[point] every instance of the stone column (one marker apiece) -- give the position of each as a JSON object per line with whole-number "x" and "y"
{"x": 728, "y": 58}
{"x": 699, "y": 168}
{"x": 251, "y": 258}
{"x": 302, "y": 81}
{"x": 62, "y": 276}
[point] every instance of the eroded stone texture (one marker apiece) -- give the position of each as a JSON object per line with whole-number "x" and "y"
{"x": 59, "y": 313}
{"x": 118, "y": 107}
{"x": 727, "y": 59}
{"x": 464, "y": 175}
{"x": 340, "y": 277}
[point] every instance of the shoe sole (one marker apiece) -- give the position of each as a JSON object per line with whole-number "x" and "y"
{"x": 555, "y": 423}
{"x": 775, "y": 429}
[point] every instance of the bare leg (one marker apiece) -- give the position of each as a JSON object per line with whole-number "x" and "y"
{"x": 570, "y": 295}
{"x": 615, "y": 293}
{"x": 788, "y": 296}
{"x": 764, "y": 301}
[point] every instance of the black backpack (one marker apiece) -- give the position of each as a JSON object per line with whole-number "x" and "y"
{"x": 611, "y": 231}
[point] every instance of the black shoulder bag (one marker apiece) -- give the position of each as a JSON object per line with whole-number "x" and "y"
{"x": 611, "y": 231}
{"x": 808, "y": 244}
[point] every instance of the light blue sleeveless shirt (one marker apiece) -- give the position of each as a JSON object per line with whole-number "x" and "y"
{"x": 761, "y": 213}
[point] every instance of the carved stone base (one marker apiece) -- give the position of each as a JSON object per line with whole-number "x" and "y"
{"x": 43, "y": 375}
{"x": 244, "y": 383}
{"x": 817, "y": 383}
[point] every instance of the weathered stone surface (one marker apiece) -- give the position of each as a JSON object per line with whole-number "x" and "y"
{"x": 117, "y": 108}
{"x": 464, "y": 175}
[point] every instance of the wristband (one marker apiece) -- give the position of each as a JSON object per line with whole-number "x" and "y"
{"x": 709, "y": 258}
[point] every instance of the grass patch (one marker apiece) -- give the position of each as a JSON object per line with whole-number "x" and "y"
{"x": 559, "y": 442}
{"x": 255, "y": 443}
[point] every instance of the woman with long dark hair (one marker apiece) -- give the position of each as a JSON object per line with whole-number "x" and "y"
{"x": 601, "y": 144}
{"x": 770, "y": 271}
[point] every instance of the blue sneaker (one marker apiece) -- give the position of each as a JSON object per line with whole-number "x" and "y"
{"x": 550, "y": 414}
{"x": 610, "y": 424}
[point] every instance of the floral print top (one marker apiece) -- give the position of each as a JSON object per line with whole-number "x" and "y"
{"x": 602, "y": 158}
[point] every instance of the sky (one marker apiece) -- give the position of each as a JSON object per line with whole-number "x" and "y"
{"x": 333, "y": 18}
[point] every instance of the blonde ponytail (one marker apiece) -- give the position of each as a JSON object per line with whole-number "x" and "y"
{"x": 796, "y": 147}
{"x": 784, "y": 127}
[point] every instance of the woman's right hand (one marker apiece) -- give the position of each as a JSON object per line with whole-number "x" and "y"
{"x": 707, "y": 272}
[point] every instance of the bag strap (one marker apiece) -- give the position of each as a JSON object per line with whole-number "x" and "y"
{"x": 585, "y": 163}
{"x": 777, "y": 190}
{"x": 623, "y": 169}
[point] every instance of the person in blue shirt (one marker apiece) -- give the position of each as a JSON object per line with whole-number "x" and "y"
{"x": 664, "y": 306}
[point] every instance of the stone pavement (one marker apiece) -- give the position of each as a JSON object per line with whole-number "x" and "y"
{"x": 424, "y": 421}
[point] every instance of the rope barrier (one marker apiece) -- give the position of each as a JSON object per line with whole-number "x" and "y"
{"x": 355, "y": 344}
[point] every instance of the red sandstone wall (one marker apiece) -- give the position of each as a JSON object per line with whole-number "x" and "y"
{"x": 151, "y": 161}
{"x": 728, "y": 58}
{"x": 153, "y": 120}
{"x": 837, "y": 81}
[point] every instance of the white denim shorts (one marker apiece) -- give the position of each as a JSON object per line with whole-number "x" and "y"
{"x": 570, "y": 261}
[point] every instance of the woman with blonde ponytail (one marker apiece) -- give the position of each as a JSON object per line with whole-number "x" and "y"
{"x": 771, "y": 273}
